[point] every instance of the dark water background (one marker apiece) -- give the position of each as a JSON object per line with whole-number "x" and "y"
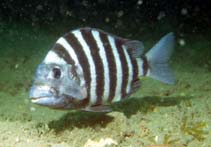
{"x": 192, "y": 17}
{"x": 193, "y": 12}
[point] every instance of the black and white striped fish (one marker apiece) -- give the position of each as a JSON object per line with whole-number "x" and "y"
{"x": 88, "y": 68}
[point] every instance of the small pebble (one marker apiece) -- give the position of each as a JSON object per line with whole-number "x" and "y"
{"x": 16, "y": 66}
{"x": 17, "y": 139}
{"x": 32, "y": 109}
{"x": 102, "y": 143}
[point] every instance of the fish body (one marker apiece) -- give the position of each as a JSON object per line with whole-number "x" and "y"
{"x": 88, "y": 69}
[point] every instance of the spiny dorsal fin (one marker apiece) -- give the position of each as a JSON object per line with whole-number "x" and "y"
{"x": 135, "y": 48}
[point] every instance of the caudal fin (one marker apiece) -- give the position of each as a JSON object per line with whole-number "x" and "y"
{"x": 158, "y": 59}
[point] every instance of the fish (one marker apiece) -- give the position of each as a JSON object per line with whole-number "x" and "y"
{"x": 89, "y": 69}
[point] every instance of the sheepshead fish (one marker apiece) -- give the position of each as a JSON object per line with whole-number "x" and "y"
{"x": 88, "y": 69}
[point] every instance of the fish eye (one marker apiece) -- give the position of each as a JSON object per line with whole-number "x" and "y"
{"x": 56, "y": 73}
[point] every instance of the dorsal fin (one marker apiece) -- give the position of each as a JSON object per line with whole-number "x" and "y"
{"x": 135, "y": 48}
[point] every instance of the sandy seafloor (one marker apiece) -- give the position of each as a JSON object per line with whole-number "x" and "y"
{"x": 165, "y": 115}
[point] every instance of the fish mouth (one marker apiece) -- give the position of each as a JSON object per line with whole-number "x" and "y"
{"x": 47, "y": 96}
{"x": 37, "y": 99}
{"x": 43, "y": 95}
{"x": 54, "y": 102}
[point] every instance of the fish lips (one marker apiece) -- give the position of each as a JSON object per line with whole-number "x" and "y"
{"x": 40, "y": 91}
{"x": 49, "y": 101}
{"x": 45, "y": 95}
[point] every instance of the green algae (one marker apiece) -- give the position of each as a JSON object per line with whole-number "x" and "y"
{"x": 195, "y": 129}
{"x": 167, "y": 139}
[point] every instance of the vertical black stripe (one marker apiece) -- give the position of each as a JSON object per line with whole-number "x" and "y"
{"x": 125, "y": 69}
{"x": 135, "y": 69}
{"x": 145, "y": 65}
{"x": 62, "y": 53}
{"x": 111, "y": 64}
{"x": 83, "y": 61}
{"x": 94, "y": 49}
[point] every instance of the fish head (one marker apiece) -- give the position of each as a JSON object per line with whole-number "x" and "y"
{"x": 57, "y": 86}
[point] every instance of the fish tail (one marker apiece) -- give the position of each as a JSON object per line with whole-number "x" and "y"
{"x": 158, "y": 60}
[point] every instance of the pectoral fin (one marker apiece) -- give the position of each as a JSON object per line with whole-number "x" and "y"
{"x": 98, "y": 108}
